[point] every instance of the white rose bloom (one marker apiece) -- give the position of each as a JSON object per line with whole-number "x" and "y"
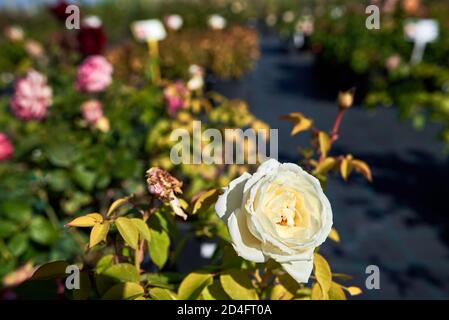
{"x": 217, "y": 22}
{"x": 279, "y": 212}
{"x": 174, "y": 21}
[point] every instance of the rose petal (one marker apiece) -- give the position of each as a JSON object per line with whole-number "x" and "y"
{"x": 299, "y": 270}
{"x": 232, "y": 197}
{"x": 245, "y": 244}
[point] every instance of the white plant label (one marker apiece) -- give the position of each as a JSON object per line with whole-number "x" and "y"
{"x": 145, "y": 30}
{"x": 421, "y": 32}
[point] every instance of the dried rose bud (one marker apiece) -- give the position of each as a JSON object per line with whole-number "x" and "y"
{"x": 164, "y": 186}
{"x": 345, "y": 99}
{"x": 161, "y": 184}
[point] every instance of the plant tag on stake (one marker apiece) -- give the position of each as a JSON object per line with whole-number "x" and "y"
{"x": 421, "y": 32}
{"x": 146, "y": 30}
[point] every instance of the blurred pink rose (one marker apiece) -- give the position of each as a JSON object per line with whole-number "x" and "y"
{"x": 94, "y": 74}
{"x": 32, "y": 97}
{"x": 92, "y": 111}
{"x": 392, "y": 62}
{"x": 6, "y": 147}
{"x": 174, "y": 95}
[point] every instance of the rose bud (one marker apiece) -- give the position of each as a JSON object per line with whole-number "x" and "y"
{"x": 345, "y": 99}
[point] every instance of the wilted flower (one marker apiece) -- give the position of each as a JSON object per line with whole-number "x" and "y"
{"x": 393, "y": 62}
{"x": 217, "y": 22}
{"x": 32, "y": 97}
{"x": 14, "y": 33}
{"x": 174, "y": 21}
{"x": 280, "y": 212}
{"x": 175, "y": 95}
{"x": 91, "y": 36}
{"x": 6, "y": 147}
{"x": 164, "y": 186}
{"x": 94, "y": 74}
{"x": 92, "y": 111}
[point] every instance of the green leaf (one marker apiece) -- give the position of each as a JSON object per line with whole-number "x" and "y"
{"x": 192, "y": 286}
{"x": 279, "y": 292}
{"x": 162, "y": 294}
{"x": 124, "y": 291}
{"x": 84, "y": 178}
{"x": 18, "y": 244}
{"x": 122, "y": 272}
{"x": 322, "y": 273}
{"x": 42, "y": 232}
{"x": 143, "y": 228}
{"x": 165, "y": 280}
{"x": 50, "y": 270}
{"x": 128, "y": 231}
{"x": 61, "y": 155}
{"x": 17, "y": 211}
{"x": 160, "y": 241}
{"x": 236, "y": 283}
{"x": 104, "y": 263}
{"x": 7, "y": 228}
{"x": 98, "y": 233}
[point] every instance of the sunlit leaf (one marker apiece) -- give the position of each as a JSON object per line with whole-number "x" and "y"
{"x": 117, "y": 203}
{"x": 205, "y": 200}
{"x": 124, "y": 291}
{"x": 236, "y": 283}
{"x": 192, "y": 286}
{"x": 363, "y": 168}
{"x": 353, "y": 291}
{"x": 300, "y": 122}
{"x": 122, "y": 272}
{"x": 346, "y": 167}
{"x": 324, "y": 166}
{"x": 128, "y": 231}
{"x": 143, "y": 228}
{"x": 215, "y": 292}
{"x": 162, "y": 294}
{"x": 98, "y": 233}
{"x": 336, "y": 292}
{"x": 333, "y": 235}
{"x": 317, "y": 292}
{"x": 322, "y": 273}
{"x": 324, "y": 142}
{"x": 279, "y": 292}
{"x": 88, "y": 220}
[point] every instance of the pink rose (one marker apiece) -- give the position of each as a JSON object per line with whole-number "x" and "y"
{"x": 92, "y": 111}
{"x": 175, "y": 95}
{"x": 94, "y": 74}
{"x": 32, "y": 97}
{"x": 6, "y": 147}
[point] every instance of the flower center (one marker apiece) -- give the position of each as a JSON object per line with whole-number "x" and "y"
{"x": 287, "y": 214}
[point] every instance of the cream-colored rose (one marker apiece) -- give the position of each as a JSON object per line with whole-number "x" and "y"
{"x": 279, "y": 212}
